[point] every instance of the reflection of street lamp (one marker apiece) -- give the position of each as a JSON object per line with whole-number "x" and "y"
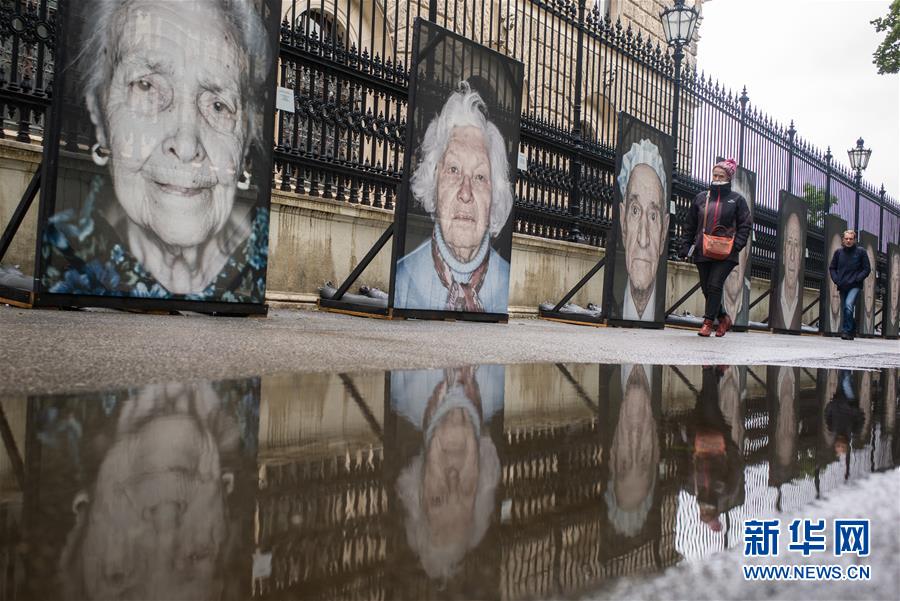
{"x": 678, "y": 24}
{"x": 859, "y": 160}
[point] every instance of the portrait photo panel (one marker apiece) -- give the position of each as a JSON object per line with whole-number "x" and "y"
{"x": 631, "y": 398}
{"x": 634, "y": 281}
{"x": 829, "y": 295}
{"x": 736, "y": 294}
{"x": 158, "y": 163}
{"x": 891, "y": 303}
{"x": 786, "y": 303}
{"x": 865, "y": 308}
{"x": 454, "y": 219}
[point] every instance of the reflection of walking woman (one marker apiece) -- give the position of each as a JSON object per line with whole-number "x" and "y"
{"x": 719, "y": 212}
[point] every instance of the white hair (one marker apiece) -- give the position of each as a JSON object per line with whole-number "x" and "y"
{"x": 628, "y": 522}
{"x": 441, "y": 559}
{"x": 101, "y": 47}
{"x": 463, "y": 108}
{"x": 643, "y": 153}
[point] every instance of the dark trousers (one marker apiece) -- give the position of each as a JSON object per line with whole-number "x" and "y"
{"x": 712, "y": 280}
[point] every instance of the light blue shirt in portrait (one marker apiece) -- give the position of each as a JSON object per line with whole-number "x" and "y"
{"x": 418, "y": 285}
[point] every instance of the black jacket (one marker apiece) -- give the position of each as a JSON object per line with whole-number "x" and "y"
{"x": 733, "y": 214}
{"x": 849, "y": 267}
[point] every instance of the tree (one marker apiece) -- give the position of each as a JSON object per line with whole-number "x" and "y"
{"x": 817, "y": 202}
{"x": 887, "y": 55}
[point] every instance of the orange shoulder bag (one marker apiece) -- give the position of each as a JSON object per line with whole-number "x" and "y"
{"x": 715, "y": 247}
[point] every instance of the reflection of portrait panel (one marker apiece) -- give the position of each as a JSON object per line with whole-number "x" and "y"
{"x": 829, "y": 295}
{"x": 447, "y": 481}
{"x": 782, "y": 392}
{"x": 736, "y": 293}
{"x": 635, "y": 273}
{"x": 865, "y": 309}
{"x": 891, "y": 302}
{"x": 146, "y": 493}
{"x": 162, "y": 190}
{"x": 786, "y": 304}
{"x": 455, "y": 237}
{"x": 631, "y": 439}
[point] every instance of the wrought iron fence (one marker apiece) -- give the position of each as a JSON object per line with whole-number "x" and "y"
{"x": 346, "y": 62}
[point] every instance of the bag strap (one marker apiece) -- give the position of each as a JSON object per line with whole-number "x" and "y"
{"x": 705, "y": 210}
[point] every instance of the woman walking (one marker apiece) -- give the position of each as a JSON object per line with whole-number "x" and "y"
{"x": 717, "y": 228}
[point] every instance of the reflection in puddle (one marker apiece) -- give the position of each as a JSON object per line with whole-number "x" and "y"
{"x": 476, "y": 482}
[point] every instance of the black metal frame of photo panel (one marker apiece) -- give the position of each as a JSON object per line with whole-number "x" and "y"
{"x": 612, "y": 241}
{"x": 46, "y": 182}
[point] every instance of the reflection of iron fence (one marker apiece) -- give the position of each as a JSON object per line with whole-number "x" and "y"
{"x": 347, "y": 63}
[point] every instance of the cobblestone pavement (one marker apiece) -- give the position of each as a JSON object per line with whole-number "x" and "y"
{"x": 53, "y": 351}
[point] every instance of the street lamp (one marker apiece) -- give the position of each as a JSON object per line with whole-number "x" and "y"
{"x": 678, "y": 24}
{"x": 859, "y": 160}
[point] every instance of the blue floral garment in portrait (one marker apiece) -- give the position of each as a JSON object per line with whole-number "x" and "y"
{"x": 83, "y": 254}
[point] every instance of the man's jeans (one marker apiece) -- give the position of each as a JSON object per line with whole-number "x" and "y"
{"x": 848, "y": 303}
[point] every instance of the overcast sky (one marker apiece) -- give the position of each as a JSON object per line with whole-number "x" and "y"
{"x": 811, "y": 61}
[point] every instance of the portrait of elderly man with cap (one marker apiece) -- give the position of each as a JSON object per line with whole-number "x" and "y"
{"x": 643, "y": 225}
{"x": 448, "y": 490}
{"x": 462, "y": 180}
{"x": 634, "y": 453}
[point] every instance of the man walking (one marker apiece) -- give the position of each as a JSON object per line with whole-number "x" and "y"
{"x": 849, "y": 268}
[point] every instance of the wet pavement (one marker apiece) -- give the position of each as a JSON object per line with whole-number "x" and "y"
{"x": 547, "y": 480}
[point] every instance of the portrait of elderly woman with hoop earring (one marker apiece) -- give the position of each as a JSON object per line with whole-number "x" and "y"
{"x": 176, "y": 95}
{"x": 462, "y": 181}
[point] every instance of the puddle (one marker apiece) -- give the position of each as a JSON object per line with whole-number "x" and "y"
{"x": 484, "y": 482}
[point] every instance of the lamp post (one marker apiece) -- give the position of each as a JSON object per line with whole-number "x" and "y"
{"x": 678, "y": 24}
{"x": 859, "y": 160}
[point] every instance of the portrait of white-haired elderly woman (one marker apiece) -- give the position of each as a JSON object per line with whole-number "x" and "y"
{"x": 462, "y": 181}
{"x": 176, "y": 94}
{"x": 448, "y": 491}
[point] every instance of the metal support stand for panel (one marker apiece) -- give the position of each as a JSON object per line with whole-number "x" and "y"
{"x": 17, "y": 296}
{"x": 337, "y": 304}
{"x": 556, "y": 313}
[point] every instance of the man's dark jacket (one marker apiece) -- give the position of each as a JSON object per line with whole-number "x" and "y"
{"x": 849, "y": 267}
{"x": 733, "y": 215}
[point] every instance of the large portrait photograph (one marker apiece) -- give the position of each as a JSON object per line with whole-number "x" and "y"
{"x": 890, "y": 326}
{"x": 829, "y": 295}
{"x": 634, "y": 284}
{"x": 865, "y": 309}
{"x": 632, "y": 442}
{"x": 443, "y": 442}
{"x": 453, "y": 224}
{"x": 736, "y": 293}
{"x": 786, "y": 303}
{"x": 158, "y": 174}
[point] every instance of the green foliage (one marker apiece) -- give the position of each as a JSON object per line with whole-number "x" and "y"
{"x": 887, "y": 55}
{"x": 817, "y": 202}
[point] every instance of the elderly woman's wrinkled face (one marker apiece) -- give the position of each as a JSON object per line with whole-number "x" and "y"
{"x": 464, "y": 191}
{"x": 869, "y": 288}
{"x": 450, "y": 477}
{"x": 175, "y": 122}
{"x": 157, "y": 521}
{"x": 635, "y": 448}
{"x": 833, "y": 292}
{"x": 643, "y": 222}
{"x": 792, "y": 253}
{"x": 719, "y": 175}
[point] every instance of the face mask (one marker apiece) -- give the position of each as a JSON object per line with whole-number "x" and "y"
{"x": 720, "y": 187}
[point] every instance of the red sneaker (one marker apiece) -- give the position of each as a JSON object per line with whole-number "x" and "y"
{"x": 706, "y": 329}
{"x": 725, "y": 324}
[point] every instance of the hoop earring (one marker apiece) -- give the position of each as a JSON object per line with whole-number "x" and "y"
{"x": 100, "y": 155}
{"x": 243, "y": 182}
